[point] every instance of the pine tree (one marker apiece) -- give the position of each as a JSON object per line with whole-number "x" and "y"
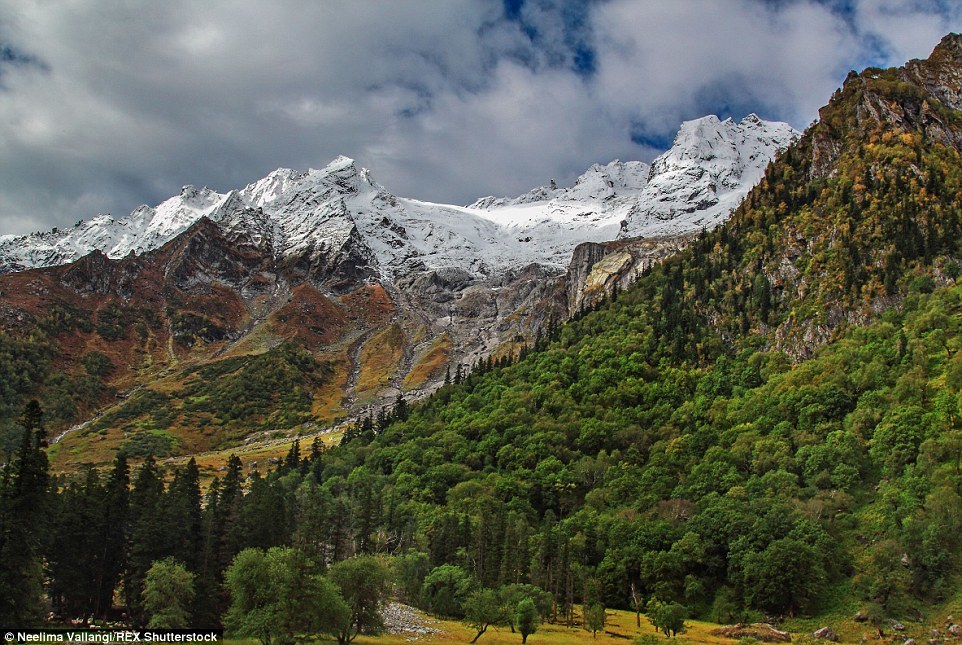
{"x": 317, "y": 450}
{"x": 182, "y": 510}
{"x": 383, "y": 420}
{"x": 74, "y": 556}
{"x": 207, "y": 604}
{"x": 23, "y": 519}
{"x": 221, "y": 544}
{"x": 148, "y": 535}
{"x": 115, "y": 528}
{"x": 262, "y": 522}
{"x": 401, "y": 408}
{"x": 293, "y": 459}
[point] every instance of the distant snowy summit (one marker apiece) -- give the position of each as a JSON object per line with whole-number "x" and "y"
{"x": 711, "y": 165}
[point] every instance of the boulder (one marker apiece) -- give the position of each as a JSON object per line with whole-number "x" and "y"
{"x": 825, "y": 633}
{"x": 762, "y": 632}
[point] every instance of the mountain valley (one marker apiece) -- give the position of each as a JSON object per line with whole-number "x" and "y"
{"x": 723, "y": 387}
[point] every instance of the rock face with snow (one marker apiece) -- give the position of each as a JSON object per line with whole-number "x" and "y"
{"x": 710, "y": 166}
{"x": 695, "y": 184}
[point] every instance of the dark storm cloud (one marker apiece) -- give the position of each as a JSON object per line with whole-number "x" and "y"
{"x": 106, "y": 105}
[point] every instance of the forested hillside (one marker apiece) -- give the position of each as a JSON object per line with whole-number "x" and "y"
{"x": 763, "y": 419}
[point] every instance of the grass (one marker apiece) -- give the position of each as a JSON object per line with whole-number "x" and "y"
{"x": 211, "y": 463}
{"x": 429, "y": 364}
{"x": 326, "y": 406}
{"x": 380, "y": 359}
{"x": 841, "y": 604}
{"x": 620, "y": 628}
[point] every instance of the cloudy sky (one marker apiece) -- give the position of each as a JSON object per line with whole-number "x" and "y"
{"x": 108, "y": 104}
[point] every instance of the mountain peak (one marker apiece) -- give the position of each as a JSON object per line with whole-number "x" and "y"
{"x": 340, "y": 162}
{"x": 949, "y": 49}
{"x": 340, "y": 166}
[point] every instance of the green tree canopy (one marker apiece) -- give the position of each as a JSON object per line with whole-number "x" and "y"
{"x": 363, "y": 583}
{"x": 276, "y": 595}
{"x": 168, "y": 593}
{"x": 482, "y": 609}
{"x": 526, "y": 618}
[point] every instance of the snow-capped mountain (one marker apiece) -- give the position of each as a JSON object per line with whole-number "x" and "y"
{"x": 695, "y": 184}
{"x": 710, "y": 166}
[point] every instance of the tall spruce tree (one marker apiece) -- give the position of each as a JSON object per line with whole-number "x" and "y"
{"x": 182, "y": 510}
{"x": 148, "y": 535}
{"x": 74, "y": 553}
{"x": 23, "y": 513}
{"x": 114, "y": 530}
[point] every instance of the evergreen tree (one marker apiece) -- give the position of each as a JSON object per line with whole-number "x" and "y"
{"x": 148, "y": 535}
{"x": 526, "y": 618}
{"x": 595, "y": 619}
{"x": 262, "y": 520}
{"x": 208, "y": 606}
{"x": 293, "y": 459}
{"x": 182, "y": 510}
{"x": 23, "y": 523}
{"x": 401, "y": 408}
{"x": 313, "y": 518}
{"x": 74, "y": 548}
{"x": 115, "y": 528}
{"x": 317, "y": 451}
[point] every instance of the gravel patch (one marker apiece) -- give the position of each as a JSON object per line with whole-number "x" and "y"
{"x": 406, "y": 621}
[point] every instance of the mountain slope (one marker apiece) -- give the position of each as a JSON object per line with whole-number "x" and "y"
{"x": 389, "y": 295}
{"x": 767, "y": 423}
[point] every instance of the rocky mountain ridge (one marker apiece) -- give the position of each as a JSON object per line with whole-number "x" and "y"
{"x": 388, "y": 295}
{"x": 710, "y": 166}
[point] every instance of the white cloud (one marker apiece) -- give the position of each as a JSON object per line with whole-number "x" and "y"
{"x": 677, "y": 57}
{"x": 442, "y": 100}
{"x": 907, "y": 28}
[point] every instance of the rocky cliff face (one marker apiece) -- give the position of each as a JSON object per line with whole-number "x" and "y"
{"x": 597, "y": 270}
{"x": 921, "y": 96}
{"x": 866, "y": 199}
